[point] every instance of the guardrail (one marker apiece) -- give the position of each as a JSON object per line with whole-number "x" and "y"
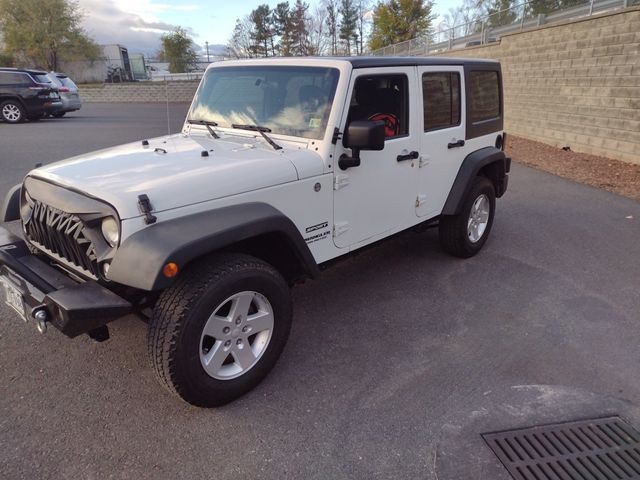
{"x": 168, "y": 77}
{"x": 487, "y": 29}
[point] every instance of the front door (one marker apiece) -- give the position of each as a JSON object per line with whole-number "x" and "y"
{"x": 378, "y": 197}
{"x": 442, "y": 135}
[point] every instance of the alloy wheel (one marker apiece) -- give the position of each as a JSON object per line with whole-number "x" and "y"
{"x": 236, "y": 335}
{"x": 478, "y": 218}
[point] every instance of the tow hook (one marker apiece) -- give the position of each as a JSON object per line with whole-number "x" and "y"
{"x": 41, "y": 319}
{"x": 99, "y": 334}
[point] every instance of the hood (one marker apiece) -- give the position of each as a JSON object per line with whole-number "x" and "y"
{"x": 173, "y": 172}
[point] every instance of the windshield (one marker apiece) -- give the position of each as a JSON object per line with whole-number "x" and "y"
{"x": 287, "y": 100}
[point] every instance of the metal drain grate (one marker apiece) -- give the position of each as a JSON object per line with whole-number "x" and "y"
{"x": 603, "y": 448}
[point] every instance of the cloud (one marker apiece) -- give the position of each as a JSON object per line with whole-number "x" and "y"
{"x": 131, "y": 24}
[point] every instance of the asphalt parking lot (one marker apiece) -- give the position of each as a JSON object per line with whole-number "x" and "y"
{"x": 398, "y": 359}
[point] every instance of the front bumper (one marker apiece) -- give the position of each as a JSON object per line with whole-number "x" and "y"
{"x": 72, "y": 307}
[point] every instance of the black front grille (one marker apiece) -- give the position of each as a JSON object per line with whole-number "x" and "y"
{"x": 62, "y": 234}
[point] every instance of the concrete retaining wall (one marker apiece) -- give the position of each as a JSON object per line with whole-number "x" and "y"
{"x": 179, "y": 92}
{"x": 575, "y": 84}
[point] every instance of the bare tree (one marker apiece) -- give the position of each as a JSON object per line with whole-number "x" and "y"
{"x": 364, "y": 18}
{"x": 240, "y": 44}
{"x": 317, "y": 29}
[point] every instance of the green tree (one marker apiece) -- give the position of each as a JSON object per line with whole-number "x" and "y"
{"x": 500, "y": 12}
{"x": 283, "y": 28}
{"x": 41, "y": 33}
{"x": 299, "y": 28}
{"x": 349, "y": 22}
{"x": 400, "y": 20}
{"x": 332, "y": 24}
{"x": 262, "y": 30}
{"x": 536, "y": 7}
{"x": 6, "y": 60}
{"x": 177, "y": 50}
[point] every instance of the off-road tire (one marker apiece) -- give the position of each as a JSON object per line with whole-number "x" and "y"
{"x": 16, "y": 107}
{"x": 181, "y": 312}
{"x": 453, "y": 229}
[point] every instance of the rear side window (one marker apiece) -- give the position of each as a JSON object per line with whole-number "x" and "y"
{"x": 13, "y": 78}
{"x": 484, "y": 96}
{"x": 441, "y": 100}
{"x": 41, "y": 78}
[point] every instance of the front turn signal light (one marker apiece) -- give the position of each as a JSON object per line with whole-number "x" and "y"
{"x": 170, "y": 270}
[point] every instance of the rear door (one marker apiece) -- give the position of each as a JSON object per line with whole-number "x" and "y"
{"x": 442, "y": 135}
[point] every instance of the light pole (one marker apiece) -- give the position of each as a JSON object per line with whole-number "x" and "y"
{"x": 207, "y": 45}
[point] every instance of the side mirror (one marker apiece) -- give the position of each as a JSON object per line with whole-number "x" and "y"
{"x": 361, "y": 135}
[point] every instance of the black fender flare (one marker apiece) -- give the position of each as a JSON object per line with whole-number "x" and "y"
{"x": 139, "y": 261}
{"x": 469, "y": 169}
{"x": 11, "y": 205}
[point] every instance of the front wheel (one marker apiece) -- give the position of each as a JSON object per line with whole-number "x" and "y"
{"x": 464, "y": 234}
{"x": 220, "y": 329}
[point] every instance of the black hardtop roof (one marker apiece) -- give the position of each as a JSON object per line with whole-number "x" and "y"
{"x": 370, "y": 62}
{"x": 23, "y": 70}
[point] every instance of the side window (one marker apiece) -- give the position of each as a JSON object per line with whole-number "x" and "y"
{"x": 12, "y": 78}
{"x": 441, "y": 100}
{"x": 382, "y": 97}
{"x": 484, "y": 96}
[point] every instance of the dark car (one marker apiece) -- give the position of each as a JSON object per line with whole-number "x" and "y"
{"x": 26, "y": 94}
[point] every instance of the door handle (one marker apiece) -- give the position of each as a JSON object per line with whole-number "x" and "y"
{"x": 459, "y": 143}
{"x": 409, "y": 156}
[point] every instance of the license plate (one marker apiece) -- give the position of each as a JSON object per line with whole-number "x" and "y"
{"x": 13, "y": 298}
{"x": 53, "y": 95}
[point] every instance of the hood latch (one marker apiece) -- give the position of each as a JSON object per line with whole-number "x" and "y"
{"x": 144, "y": 204}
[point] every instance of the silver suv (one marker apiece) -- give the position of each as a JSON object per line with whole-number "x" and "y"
{"x": 69, "y": 94}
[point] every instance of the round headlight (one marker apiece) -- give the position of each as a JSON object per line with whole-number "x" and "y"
{"x": 111, "y": 231}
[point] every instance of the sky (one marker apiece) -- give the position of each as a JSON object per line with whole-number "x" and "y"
{"x": 138, "y": 24}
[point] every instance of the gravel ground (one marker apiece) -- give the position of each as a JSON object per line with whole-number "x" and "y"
{"x": 613, "y": 175}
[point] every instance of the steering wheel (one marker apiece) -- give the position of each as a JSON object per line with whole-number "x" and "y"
{"x": 391, "y": 123}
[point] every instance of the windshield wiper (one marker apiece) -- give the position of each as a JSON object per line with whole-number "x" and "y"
{"x": 206, "y": 124}
{"x": 261, "y": 131}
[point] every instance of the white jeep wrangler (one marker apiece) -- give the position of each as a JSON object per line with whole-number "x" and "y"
{"x": 282, "y": 166}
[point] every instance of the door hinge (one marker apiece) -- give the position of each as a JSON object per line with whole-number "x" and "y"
{"x": 420, "y": 199}
{"x": 340, "y": 180}
{"x": 339, "y": 228}
{"x": 424, "y": 161}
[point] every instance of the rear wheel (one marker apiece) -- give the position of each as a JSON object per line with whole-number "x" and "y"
{"x": 12, "y": 111}
{"x": 463, "y": 235}
{"x": 220, "y": 329}
{"x": 58, "y": 114}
